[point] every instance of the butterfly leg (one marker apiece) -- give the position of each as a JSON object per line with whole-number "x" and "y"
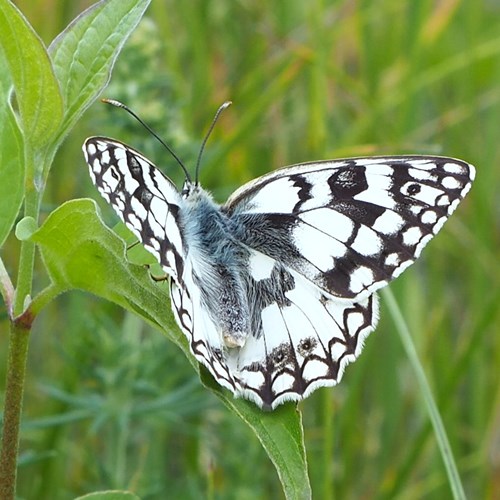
{"x": 157, "y": 279}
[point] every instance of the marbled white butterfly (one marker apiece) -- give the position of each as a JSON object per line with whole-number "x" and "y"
{"x": 275, "y": 289}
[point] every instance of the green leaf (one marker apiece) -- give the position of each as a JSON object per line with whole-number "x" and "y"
{"x": 280, "y": 433}
{"x": 11, "y": 157}
{"x": 84, "y": 53}
{"x": 79, "y": 251}
{"x": 37, "y": 92}
{"x": 109, "y": 495}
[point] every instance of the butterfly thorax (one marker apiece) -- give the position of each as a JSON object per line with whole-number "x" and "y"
{"x": 217, "y": 265}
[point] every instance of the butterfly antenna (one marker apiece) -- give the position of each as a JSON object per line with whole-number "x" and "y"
{"x": 119, "y": 104}
{"x": 214, "y": 121}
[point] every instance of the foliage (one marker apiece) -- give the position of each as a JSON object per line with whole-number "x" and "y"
{"x": 109, "y": 404}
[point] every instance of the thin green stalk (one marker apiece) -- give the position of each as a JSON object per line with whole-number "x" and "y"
{"x": 47, "y": 295}
{"x": 121, "y": 449}
{"x": 25, "y": 277}
{"x": 327, "y": 445}
{"x": 27, "y": 255}
{"x": 6, "y": 287}
{"x": 437, "y": 423}
{"x": 21, "y": 320}
{"x": 469, "y": 351}
{"x": 18, "y": 350}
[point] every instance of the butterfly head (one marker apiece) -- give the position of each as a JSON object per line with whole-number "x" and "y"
{"x": 189, "y": 188}
{"x": 194, "y": 193}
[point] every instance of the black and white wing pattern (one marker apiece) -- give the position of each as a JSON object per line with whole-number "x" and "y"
{"x": 144, "y": 199}
{"x": 338, "y": 231}
{"x": 275, "y": 290}
{"x": 350, "y": 226}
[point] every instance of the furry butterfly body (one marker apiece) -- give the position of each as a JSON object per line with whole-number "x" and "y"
{"x": 275, "y": 289}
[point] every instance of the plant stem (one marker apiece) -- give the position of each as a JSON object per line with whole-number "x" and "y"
{"x": 21, "y": 319}
{"x": 327, "y": 439}
{"x": 23, "y": 290}
{"x": 27, "y": 258}
{"x": 18, "y": 349}
{"x": 6, "y": 287}
{"x": 47, "y": 295}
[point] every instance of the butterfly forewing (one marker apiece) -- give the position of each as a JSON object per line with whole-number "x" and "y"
{"x": 350, "y": 226}
{"x": 307, "y": 246}
{"x": 146, "y": 200}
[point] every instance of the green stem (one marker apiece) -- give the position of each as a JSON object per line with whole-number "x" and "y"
{"x": 32, "y": 198}
{"x": 44, "y": 297}
{"x": 6, "y": 287}
{"x": 327, "y": 439}
{"x": 18, "y": 350}
{"x": 435, "y": 417}
{"x": 26, "y": 259}
{"x": 21, "y": 319}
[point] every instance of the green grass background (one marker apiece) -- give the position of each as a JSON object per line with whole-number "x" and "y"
{"x": 111, "y": 404}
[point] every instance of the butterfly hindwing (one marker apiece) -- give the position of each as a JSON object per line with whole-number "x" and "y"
{"x": 350, "y": 226}
{"x": 302, "y": 339}
{"x": 146, "y": 201}
{"x": 204, "y": 340}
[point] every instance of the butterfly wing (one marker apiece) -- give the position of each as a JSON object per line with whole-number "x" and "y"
{"x": 350, "y": 226}
{"x": 301, "y": 339}
{"x": 322, "y": 238}
{"x": 205, "y": 341}
{"x": 146, "y": 201}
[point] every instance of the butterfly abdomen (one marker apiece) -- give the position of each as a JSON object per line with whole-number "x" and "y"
{"x": 218, "y": 263}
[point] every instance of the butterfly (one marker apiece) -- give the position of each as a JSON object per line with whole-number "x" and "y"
{"x": 275, "y": 289}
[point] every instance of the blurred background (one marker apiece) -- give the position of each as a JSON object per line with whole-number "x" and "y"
{"x": 110, "y": 403}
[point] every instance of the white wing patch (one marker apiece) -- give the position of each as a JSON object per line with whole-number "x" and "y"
{"x": 275, "y": 289}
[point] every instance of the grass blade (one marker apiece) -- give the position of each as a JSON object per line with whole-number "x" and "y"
{"x": 435, "y": 417}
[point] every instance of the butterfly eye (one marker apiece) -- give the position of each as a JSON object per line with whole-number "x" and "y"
{"x": 186, "y": 189}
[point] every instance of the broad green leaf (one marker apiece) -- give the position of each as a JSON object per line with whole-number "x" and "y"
{"x": 37, "y": 91}
{"x": 281, "y": 435}
{"x": 11, "y": 157}
{"x": 109, "y": 495}
{"x": 84, "y": 53}
{"x": 79, "y": 251}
